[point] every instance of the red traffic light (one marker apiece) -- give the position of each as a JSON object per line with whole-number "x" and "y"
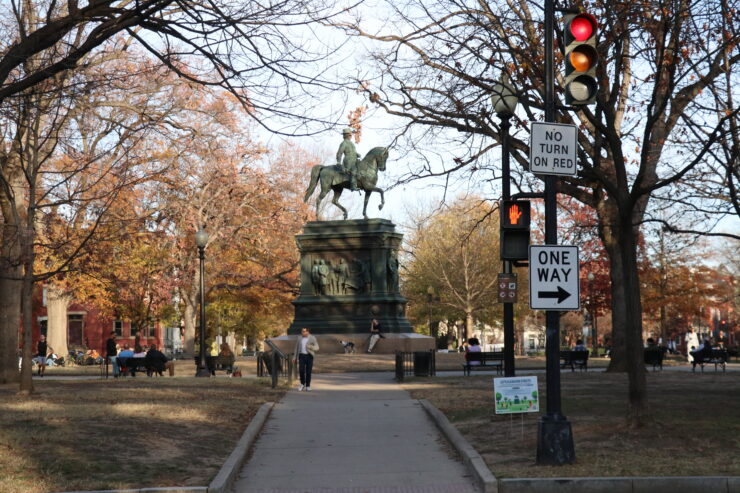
{"x": 582, "y": 27}
{"x": 581, "y": 58}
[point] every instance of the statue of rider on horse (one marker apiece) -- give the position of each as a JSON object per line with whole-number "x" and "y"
{"x": 350, "y": 173}
{"x": 349, "y": 164}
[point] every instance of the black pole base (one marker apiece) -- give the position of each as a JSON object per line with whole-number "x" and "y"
{"x": 555, "y": 441}
{"x": 203, "y": 372}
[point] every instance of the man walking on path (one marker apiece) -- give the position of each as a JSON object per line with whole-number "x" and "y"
{"x": 305, "y": 349}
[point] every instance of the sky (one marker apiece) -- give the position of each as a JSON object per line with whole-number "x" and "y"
{"x": 402, "y": 200}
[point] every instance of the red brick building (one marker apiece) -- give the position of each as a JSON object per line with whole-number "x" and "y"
{"x": 67, "y": 323}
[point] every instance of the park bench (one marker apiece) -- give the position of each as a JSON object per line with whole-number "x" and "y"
{"x": 654, "y": 358}
{"x": 717, "y": 357}
{"x": 493, "y": 359}
{"x": 573, "y": 359}
{"x": 217, "y": 363}
{"x": 129, "y": 366}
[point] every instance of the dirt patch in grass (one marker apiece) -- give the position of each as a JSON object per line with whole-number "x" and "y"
{"x": 125, "y": 433}
{"x": 694, "y": 431}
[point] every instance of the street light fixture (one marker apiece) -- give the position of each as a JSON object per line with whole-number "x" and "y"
{"x": 504, "y": 100}
{"x": 201, "y": 240}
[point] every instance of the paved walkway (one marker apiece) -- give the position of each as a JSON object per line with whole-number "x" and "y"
{"x": 354, "y": 433}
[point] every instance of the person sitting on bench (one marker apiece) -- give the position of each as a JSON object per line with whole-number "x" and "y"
{"x": 226, "y": 358}
{"x": 156, "y": 361}
{"x": 473, "y": 347}
{"x": 702, "y": 353}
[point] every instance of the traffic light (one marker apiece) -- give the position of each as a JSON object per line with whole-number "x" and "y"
{"x": 515, "y": 219}
{"x": 581, "y": 58}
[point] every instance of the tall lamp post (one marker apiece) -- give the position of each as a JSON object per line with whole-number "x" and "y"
{"x": 431, "y": 299}
{"x": 201, "y": 240}
{"x": 504, "y": 100}
{"x": 594, "y": 338}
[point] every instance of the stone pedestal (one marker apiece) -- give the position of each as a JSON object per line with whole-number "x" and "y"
{"x": 349, "y": 275}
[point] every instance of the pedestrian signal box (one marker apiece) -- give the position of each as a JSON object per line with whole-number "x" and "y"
{"x": 515, "y": 220}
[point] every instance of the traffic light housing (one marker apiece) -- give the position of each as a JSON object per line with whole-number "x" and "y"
{"x": 515, "y": 220}
{"x": 579, "y": 33}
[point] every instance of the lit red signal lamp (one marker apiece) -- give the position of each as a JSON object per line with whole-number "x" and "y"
{"x": 582, "y": 27}
{"x": 515, "y": 214}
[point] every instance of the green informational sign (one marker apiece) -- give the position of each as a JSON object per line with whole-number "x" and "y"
{"x": 516, "y": 395}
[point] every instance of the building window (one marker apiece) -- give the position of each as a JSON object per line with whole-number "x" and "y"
{"x": 75, "y": 328}
{"x": 532, "y": 342}
{"x": 118, "y": 327}
{"x": 134, "y": 329}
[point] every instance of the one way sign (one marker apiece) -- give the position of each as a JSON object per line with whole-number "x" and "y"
{"x": 553, "y": 277}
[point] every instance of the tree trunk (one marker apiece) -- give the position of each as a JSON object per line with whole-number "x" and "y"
{"x": 189, "y": 320}
{"x": 468, "y": 325}
{"x": 56, "y": 309}
{"x": 617, "y": 361}
{"x": 26, "y": 386}
{"x": 638, "y": 408}
{"x": 10, "y": 303}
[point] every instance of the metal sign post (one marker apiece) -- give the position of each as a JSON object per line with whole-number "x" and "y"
{"x": 554, "y": 437}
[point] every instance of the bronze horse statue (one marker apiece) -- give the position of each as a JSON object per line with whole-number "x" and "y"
{"x": 336, "y": 179}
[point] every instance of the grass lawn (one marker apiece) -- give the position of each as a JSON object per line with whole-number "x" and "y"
{"x": 340, "y": 363}
{"x": 695, "y": 430}
{"x": 125, "y": 433}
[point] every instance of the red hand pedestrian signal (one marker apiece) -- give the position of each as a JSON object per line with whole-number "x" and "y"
{"x": 514, "y": 214}
{"x": 515, "y": 218}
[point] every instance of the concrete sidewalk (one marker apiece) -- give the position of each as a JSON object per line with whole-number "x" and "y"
{"x": 354, "y": 433}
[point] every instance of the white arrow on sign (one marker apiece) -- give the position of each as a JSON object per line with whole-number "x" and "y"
{"x": 553, "y": 277}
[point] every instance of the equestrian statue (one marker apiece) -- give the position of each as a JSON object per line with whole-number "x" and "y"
{"x": 350, "y": 173}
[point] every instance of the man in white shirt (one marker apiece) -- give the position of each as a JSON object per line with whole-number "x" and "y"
{"x": 692, "y": 342}
{"x": 305, "y": 350}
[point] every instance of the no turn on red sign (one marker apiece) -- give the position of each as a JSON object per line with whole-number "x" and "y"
{"x": 553, "y": 277}
{"x": 553, "y": 149}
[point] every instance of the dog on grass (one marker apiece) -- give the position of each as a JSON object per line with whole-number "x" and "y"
{"x": 349, "y": 347}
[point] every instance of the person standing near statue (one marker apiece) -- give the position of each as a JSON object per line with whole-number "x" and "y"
{"x": 347, "y": 157}
{"x": 376, "y": 333}
{"x": 305, "y": 350}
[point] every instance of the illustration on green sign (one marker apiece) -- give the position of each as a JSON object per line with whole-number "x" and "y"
{"x": 516, "y": 395}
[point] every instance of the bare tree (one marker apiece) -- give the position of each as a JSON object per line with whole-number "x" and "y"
{"x": 436, "y": 68}
{"x": 268, "y": 54}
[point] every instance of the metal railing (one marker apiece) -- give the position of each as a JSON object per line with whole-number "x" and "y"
{"x": 275, "y": 364}
{"x": 417, "y": 363}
